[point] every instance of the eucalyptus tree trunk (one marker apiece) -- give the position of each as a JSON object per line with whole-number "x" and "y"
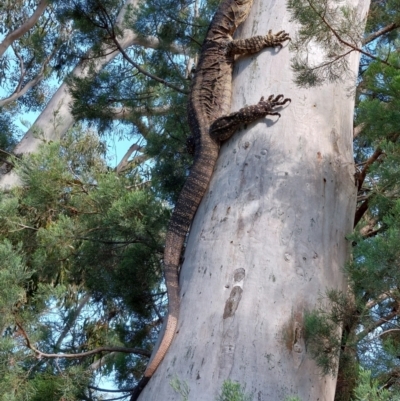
{"x": 269, "y": 237}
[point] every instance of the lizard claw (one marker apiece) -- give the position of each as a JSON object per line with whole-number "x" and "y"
{"x": 275, "y": 40}
{"x": 277, "y": 100}
{"x": 272, "y": 102}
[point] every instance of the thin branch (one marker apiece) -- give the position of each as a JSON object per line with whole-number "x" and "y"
{"x": 40, "y": 354}
{"x": 17, "y": 33}
{"x": 122, "y": 390}
{"x": 385, "y": 332}
{"x": 2, "y": 160}
{"x": 381, "y": 297}
{"x": 357, "y": 130}
{"x": 109, "y": 27}
{"x": 124, "y": 113}
{"x": 24, "y": 226}
{"x": 330, "y": 62}
{"x": 71, "y": 320}
{"x": 18, "y": 92}
{"x": 376, "y": 324}
{"x": 7, "y": 153}
{"x": 361, "y": 176}
{"x": 369, "y": 227}
{"x": 108, "y": 242}
{"x": 144, "y": 72}
{"x": 117, "y": 398}
{"x": 381, "y": 32}
{"x": 21, "y": 68}
{"x": 134, "y": 162}
{"x": 344, "y": 42}
{"x": 360, "y": 212}
{"x": 123, "y": 163}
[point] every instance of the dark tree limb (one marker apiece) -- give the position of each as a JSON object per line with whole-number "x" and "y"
{"x": 40, "y": 354}
{"x": 122, "y": 390}
{"x": 381, "y": 32}
{"x": 360, "y": 212}
{"x": 375, "y": 325}
{"x": 367, "y": 164}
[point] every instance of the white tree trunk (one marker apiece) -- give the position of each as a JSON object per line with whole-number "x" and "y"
{"x": 268, "y": 238}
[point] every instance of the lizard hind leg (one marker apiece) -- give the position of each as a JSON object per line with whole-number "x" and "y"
{"x": 224, "y": 127}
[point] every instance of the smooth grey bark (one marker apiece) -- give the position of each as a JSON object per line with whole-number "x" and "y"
{"x": 269, "y": 237}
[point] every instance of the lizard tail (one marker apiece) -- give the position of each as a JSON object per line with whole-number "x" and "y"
{"x": 182, "y": 216}
{"x": 178, "y": 227}
{"x": 171, "y": 277}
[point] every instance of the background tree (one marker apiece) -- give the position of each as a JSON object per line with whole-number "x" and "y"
{"x": 82, "y": 242}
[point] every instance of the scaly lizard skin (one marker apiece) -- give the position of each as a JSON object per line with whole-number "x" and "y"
{"x": 210, "y": 123}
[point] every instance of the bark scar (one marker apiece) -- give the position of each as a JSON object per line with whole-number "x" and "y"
{"x": 235, "y": 296}
{"x": 232, "y": 302}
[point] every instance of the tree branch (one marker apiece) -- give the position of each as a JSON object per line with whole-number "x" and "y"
{"x": 122, "y": 390}
{"x": 360, "y": 212}
{"x": 382, "y": 297}
{"x": 357, "y": 130}
{"x": 71, "y": 320}
{"x": 123, "y": 163}
{"x": 109, "y": 242}
{"x": 381, "y": 32}
{"x": 124, "y": 113}
{"x": 146, "y": 73}
{"x": 18, "y": 92}
{"x": 375, "y": 325}
{"x": 344, "y": 42}
{"x": 40, "y": 354}
{"x": 361, "y": 176}
{"x": 134, "y": 162}
{"x": 368, "y": 229}
{"x": 17, "y": 33}
{"x": 113, "y": 36}
{"x": 98, "y": 364}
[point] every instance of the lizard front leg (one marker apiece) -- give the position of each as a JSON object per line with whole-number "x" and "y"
{"x": 257, "y": 43}
{"x": 224, "y": 127}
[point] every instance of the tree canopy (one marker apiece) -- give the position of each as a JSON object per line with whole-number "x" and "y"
{"x": 81, "y": 241}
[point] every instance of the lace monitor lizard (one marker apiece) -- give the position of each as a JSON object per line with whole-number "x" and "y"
{"x": 210, "y": 123}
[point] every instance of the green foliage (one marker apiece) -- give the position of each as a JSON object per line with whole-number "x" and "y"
{"x": 8, "y": 132}
{"x": 322, "y": 330}
{"x": 326, "y": 25}
{"x": 76, "y": 232}
{"x": 14, "y": 280}
{"x": 233, "y": 391}
{"x": 182, "y": 388}
{"x": 369, "y": 389}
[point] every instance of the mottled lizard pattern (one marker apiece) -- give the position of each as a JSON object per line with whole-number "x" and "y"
{"x": 210, "y": 123}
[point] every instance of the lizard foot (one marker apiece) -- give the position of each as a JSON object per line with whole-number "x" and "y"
{"x": 275, "y": 40}
{"x": 272, "y": 102}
